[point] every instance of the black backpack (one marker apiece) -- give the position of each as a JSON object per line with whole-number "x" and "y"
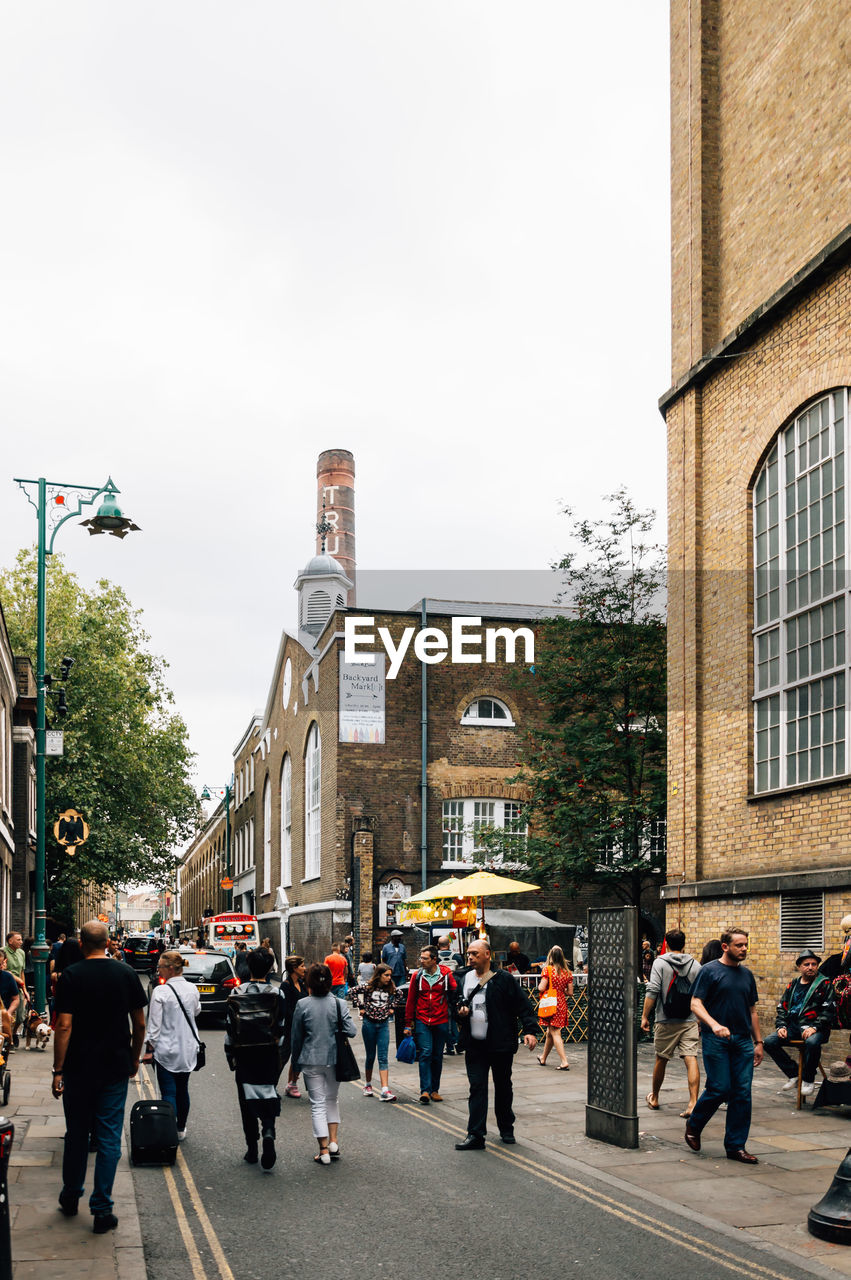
{"x": 677, "y": 999}
{"x": 253, "y": 1016}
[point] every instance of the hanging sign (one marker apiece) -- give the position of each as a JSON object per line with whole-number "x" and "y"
{"x": 362, "y": 701}
{"x": 71, "y": 829}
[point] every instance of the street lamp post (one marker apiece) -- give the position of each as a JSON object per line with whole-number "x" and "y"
{"x": 54, "y": 504}
{"x": 223, "y": 793}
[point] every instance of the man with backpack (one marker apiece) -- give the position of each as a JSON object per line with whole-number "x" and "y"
{"x": 431, "y": 997}
{"x": 256, "y": 1024}
{"x": 675, "y": 1031}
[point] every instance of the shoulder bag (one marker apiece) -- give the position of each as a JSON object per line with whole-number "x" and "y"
{"x": 548, "y": 1003}
{"x": 346, "y": 1067}
{"x": 201, "y": 1060}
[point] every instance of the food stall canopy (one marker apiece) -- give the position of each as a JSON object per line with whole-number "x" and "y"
{"x": 536, "y": 933}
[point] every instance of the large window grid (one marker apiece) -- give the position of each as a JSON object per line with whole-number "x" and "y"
{"x": 464, "y": 821}
{"x": 801, "y": 601}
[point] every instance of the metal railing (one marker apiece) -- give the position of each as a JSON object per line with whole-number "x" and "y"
{"x": 576, "y": 1031}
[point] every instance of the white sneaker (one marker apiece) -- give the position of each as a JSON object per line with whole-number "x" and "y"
{"x": 181, "y": 1134}
{"x": 807, "y": 1089}
{"x": 790, "y": 1084}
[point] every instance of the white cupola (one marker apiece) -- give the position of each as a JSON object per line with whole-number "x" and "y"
{"x": 322, "y": 587}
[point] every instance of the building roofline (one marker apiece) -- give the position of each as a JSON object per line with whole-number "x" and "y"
{"x": 832, "y": 256}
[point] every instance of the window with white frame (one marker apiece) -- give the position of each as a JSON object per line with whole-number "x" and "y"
{"x": 463, "y": 822}
{"x": 488, "y": 711}
{"x": 801, "y": 601}
{"x": 287, "y": 821}
{"x": 267, "y": 836}
{"x": 312, "y": 804}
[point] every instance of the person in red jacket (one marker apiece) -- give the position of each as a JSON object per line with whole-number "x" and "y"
{"x": 431, "y": 992}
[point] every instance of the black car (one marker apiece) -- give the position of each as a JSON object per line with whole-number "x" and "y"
{"x": 213, "y": 974}
{"x": 141, "y": 952}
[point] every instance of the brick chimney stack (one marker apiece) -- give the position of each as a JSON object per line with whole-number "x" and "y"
{"x": 335, "y": 483}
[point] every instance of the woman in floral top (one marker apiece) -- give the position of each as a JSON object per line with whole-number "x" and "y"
{"x": 377, "y": 1000}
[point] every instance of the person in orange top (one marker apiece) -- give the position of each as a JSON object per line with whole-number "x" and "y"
{"x": 339, "y": 966}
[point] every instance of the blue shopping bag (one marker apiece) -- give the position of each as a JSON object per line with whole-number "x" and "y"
{"x": 407, "y": 1050}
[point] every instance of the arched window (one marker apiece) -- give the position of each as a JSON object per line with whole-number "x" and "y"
{"x": 267, "y": 836}
{"x": 287, "y": 821}
{"x": 488, "y": 711}
{"x": 801, "y": 601}
{"x": 312, "y": 804}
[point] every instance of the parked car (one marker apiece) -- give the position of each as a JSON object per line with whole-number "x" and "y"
{"x": 212, "y": 973}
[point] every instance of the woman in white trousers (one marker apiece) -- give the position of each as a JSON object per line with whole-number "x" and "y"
{"x": 314, "y": 1054}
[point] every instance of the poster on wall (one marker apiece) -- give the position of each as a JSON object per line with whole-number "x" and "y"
{"x": 362, "y": 700}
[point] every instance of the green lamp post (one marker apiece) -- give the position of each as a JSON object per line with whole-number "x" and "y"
{"x": 223, "y": 793}
{"x": 54, "y": 504}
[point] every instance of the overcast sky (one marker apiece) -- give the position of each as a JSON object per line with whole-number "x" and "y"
{"x": 233, "y": 235}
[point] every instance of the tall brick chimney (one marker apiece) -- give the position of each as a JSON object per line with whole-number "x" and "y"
{"x": 335, "y": 485}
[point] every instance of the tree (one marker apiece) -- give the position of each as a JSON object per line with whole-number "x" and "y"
{"x": 126, "y": 761}
{"x": 595, "y": 768}
{"x": 155, "y": 920}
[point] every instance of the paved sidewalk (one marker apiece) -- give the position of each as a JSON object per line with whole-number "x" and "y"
{"x": 44, "y": 1243}
{"x": 799, "y": 1151}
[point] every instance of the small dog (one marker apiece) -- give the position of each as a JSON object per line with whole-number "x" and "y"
{"x": 38, "y": 1031}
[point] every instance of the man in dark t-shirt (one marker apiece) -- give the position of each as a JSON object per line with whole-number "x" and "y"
{"x": 724, "y": 997}
{"x": 94, "y": 1056}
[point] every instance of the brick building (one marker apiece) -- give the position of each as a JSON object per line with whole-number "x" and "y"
{"x": 759, "y": 806}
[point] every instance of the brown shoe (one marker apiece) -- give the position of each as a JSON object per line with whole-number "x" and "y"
{"x": 424, "y": 1099}
{"x": 692, "y": 1138}
{"x": 743, "y": 1157}
{"x": 435, "y": 1097}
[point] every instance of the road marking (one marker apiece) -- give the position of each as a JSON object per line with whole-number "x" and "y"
{"x": 634, "y": 1217}
{"x": 146, "y": 1084}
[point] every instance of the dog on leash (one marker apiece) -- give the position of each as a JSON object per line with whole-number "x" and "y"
{"x": 37, "y": 1030}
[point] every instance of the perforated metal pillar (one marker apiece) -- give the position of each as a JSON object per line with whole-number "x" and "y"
{"x": 611, "y": 1113}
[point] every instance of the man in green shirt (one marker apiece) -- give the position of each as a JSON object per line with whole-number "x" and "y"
{"x": 16, "y": 959}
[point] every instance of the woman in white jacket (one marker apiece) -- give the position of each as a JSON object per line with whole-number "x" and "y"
{"x": 172, "y": 1035}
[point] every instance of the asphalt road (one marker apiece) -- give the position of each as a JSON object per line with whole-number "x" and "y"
{"x": 402, "y": 1202}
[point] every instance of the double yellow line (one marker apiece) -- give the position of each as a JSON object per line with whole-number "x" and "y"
{"x": 145, "y": 1087}
{"x": 732, "y": 1261}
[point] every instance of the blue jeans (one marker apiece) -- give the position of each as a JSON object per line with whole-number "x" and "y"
{"x": 811, "y": 1052}
{"x": 729, "y": 1074}
{"x": 341, "y": 991}
{"x": 174, "y": 1088}
{"x": 430, "y": 1040}
{"x": 99, "y": 1110}
{"x": 376, "y": 1038}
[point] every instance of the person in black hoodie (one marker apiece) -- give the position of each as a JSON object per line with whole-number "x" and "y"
{"x": 490, "y": 1003}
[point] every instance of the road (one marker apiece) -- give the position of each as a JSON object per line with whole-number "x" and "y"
{"x": 402, "y": 1202}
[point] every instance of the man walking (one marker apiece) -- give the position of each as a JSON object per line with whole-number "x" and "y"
{"x": 16, "y": 960}
{"x": 675, "y": 1029}
{"x": 431, "y": 995}
{"x": 489, "y": 1007}
{"x": 805, "y": 1012}
{"x": 339, "y": 966}
{"x": 94, "y": 1056}
{"x": 257, "y": 1019}
{"x": 724, "y": 997}
{"x": 393, "y": 953}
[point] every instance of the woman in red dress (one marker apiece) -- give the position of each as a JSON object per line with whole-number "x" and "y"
{"x": 557, "y": 976}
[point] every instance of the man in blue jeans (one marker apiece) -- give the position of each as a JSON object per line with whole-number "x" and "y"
{"x": 724, "y": 997}
{"x": 431, "y": 994}
{"x": 94, "y": 1056}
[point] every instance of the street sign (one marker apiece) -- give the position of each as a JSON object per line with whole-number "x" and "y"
{"x": 226, "y": 882}
{"x": 54, "y": 742}
{"x": 71, "y": 829}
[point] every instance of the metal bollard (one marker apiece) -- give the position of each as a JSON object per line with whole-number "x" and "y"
{"x": 7, "y": 1137}
{"x": 830, "y": 1219}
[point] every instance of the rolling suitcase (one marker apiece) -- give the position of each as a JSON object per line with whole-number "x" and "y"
{"x": 153, "y": 1132}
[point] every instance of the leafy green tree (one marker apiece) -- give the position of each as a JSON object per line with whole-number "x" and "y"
{"x": 127, "y": 757}
{"x": 155, "y": 920}
{"x": 595, "y": 768}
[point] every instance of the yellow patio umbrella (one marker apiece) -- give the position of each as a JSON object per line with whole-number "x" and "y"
{"x": 482, "y": 884}
{"x": 446, "y": 889}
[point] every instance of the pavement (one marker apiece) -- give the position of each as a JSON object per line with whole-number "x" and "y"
{"x": 44, "y": 1242}
{"x": 798, "y": 1151}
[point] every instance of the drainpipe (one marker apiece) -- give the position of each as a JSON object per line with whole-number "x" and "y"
{"x": 423, "y": 759}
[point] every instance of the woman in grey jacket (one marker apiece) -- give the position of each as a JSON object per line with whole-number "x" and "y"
{"x": 314, "y": 1054}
